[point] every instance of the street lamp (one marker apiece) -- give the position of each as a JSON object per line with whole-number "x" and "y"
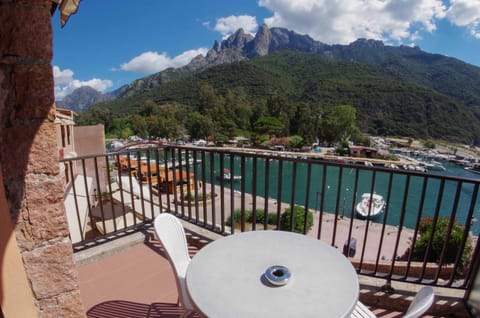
{"x": 344, "y": 200}
{"x": 316, "y": 200}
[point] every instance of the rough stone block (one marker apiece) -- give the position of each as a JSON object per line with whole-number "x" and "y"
{"x": 27, "y": 26}
{"x": 42, "y": 223}
{"x": 70, "y": 305}
{"x": 48, "y": 308}
{"x": 51, "y": 270}
{"x": 15, "y": 143}
{"x": 43, "y": 157}
{"x": 34, "y": 98}
{"x": 29, "y": 149}
{"x": 65, "y": 305}
{"x": 43, "y": 190}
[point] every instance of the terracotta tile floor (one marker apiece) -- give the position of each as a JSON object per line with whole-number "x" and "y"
{"x": 137, "y": 282}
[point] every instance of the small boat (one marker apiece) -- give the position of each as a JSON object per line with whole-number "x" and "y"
{"x": 433, "y": 166}
{"x": 475, "y": 168}
{"x": 370, "y": 205}
{"x": 227, "y": 176}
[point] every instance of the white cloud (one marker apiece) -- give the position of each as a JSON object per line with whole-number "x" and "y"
{"x": 228, "y": 25}
{"x": 153, "y": 62}
{"x": 465, "y": 13}
{"x": 66, "y": 84}
{"x": 344, "y": 21}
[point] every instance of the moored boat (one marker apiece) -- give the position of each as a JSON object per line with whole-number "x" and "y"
{"x": 370, "y": 205}
{"x": 475, "y": 168}
{"x": 227, "y": 176}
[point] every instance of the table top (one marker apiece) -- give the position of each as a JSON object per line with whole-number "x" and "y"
{"x": 226, "y": 277}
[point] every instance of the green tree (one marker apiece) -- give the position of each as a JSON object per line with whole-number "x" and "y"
{"x": 429, "y": 144}
{"x": 339, "y": 124}
{"x": 343, "y": 149}
{"x": 170, "y": 120}
{"x": 268, "y": 125}
{"x": 303, "y": 122}
{"x": 149, "y": 108}
{"x": 139, "y": 125}
{"x": 440, "y": 233}
{"x": 199, "y": 126}
{"x": 361, "y": 139}
{"x": 295, "y": 142}
{"x": 243, "y": 113}
{"x": 125, "y": 132}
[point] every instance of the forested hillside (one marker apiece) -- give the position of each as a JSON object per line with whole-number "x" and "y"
{"x": 291, "y": 93}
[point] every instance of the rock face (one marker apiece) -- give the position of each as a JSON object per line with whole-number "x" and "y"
{"x": 261, "y": 43}
{"x": 82, "y": 98}
{"x": 239, "y": 46}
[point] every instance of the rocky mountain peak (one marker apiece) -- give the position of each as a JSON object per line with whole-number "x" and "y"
{"x": 367, "y": 43}
{"x": 237, "y": 41}
{"x": 261, "y": 42}
{"x": 81, "y": 99}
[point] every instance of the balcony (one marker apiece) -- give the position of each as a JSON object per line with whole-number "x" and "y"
{"x": 113, "y": 198}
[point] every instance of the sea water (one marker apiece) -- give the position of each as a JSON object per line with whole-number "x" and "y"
{"x": 333, "y": 189}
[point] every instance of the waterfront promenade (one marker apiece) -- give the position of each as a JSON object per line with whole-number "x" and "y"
{"x": 367, "y": 233}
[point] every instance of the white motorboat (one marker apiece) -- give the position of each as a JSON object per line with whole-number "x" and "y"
{"x": 370, "y": 205}
{"x": 227, "y": 176}
{"x": 432, "y": 165}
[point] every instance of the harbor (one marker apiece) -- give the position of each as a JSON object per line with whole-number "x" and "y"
{"x": 336, "y": 193}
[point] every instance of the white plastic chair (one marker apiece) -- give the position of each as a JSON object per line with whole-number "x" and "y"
{"x": 361, "y": 311}
{"x": 170, "y": 232}
{"x": 419, "y": 305}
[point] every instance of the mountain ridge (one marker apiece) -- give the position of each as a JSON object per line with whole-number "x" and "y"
{"x": 296, "y": 88}
{"x": 241, "y": 46}
{"x": 83, "y": 97}
{"x": 430, "y": 74}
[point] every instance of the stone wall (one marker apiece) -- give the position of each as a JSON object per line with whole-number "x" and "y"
{"x": 29, "y": 157}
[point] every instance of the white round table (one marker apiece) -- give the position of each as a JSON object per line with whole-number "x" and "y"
{"x": 226, "y": 277}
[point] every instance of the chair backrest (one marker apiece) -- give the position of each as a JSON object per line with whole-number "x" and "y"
{"x": 170, "y": 232}
{"x": 420, "y": 304}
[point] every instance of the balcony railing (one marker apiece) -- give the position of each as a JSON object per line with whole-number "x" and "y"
{"x": 427, "y": 232}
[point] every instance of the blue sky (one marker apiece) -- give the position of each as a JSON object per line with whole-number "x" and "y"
{"x": 110, "y": 43}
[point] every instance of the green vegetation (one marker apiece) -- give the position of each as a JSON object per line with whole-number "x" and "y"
{"x": 440, "y": 232}
{"x": 298, "y": 220}
{"x": 429, "y": 144}
{"x": 185, "y": 196}
{"x": 291, "y": 93}
{"x": 259, "y": 217}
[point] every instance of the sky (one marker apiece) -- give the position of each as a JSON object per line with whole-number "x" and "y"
{"x": 110, "y": 43}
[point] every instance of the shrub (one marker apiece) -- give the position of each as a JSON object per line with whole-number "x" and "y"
{"x": 259, "y": 217}
{"x": 185, "y": 196}
{"x": 298, "y": 220}
{"x": 272, "y": 218}
{"x": 439, "y": 236}
{"x": 429, "y": 144}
